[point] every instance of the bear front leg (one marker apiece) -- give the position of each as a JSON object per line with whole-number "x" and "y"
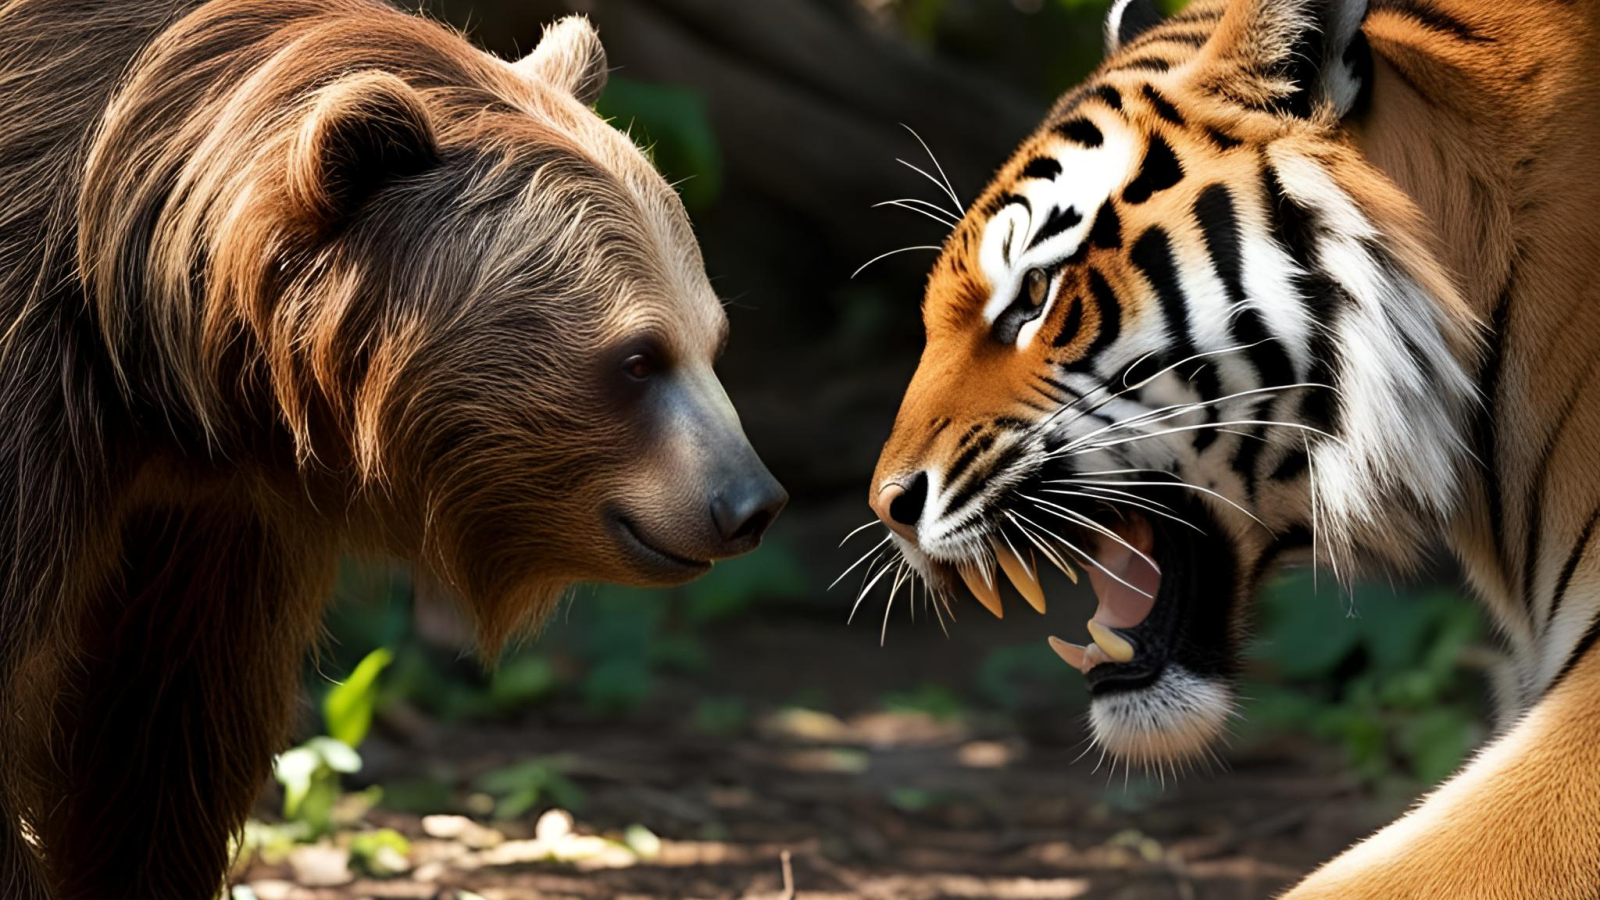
{"x": 178, "y": 696}
{"x": 1520, "y": 822}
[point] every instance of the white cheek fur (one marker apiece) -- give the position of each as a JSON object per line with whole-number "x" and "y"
{"x": 1089, "y": 175}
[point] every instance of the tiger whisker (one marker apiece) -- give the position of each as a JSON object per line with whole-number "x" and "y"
{"x": 1175, "y": 410}
{"x": 1110, "y": 496}
{"x": 858, "y": 529}
{"x": 889, "y": 254}
{"x": 867, "y": 588}
{"x": 949, "y": 189}
{"x": 860, "y": 595}
{"x": 864, "y": 556}
{"x": 1178, "y": 484}
{"x": 1090, "y": 560}
{"x": 894, "y": 588}
{"x": 1128, "y": 388}
{"x": 1085, "y": 521}
{"x": 1043, "y": 534}
{"x": 1050, "y": 554}
{"x": 936, "y": 213}
{"x": 1183, "y": 428}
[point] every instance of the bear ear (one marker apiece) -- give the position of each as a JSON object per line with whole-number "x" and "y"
{"x": 1309, "y": 56}
{"x": 1127, "y": 19}
{"x": 569, "y": 58}
{"x": 363, "y": 132}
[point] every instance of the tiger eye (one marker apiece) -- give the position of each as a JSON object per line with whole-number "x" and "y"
{"x": 1038, "y": 287}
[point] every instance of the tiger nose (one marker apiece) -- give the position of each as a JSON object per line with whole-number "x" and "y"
{"x": 899, "y": 504}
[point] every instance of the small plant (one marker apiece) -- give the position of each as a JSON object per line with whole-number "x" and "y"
{"x": 310, "y": 772}
{"x": 1379, "y": 672}
{"x": 520, "y": 787}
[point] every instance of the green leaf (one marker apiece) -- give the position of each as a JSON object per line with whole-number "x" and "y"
{"x": 618, "y": 685}
{"x": 671, "y": 123}
{"x": 1437, "y": 741}
{"x": 1306, "y": 632}
{"x": 773, "y": 572}
{"x": 522, "y": 680}
{"x": 335, "y": 754}
{"x": 347, "y": 710}
{"x": 933, "y": 700}
{"x": 295, "y": 769}
{"x": 372, "y": 852}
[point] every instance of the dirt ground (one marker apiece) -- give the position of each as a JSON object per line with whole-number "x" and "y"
{"x": 863, "y": 803}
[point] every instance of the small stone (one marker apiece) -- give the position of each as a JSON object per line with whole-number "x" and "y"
{"x": 445, "y": 828}
{"x": 512, "y": 853}
{"x": 320, "y": 866}
{"x": 554, "y": 825}
{"x": 272, "y": 889}
{"x": 462, "y": 830}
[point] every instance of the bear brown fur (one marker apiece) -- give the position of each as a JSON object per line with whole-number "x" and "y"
{"x": 285, "y": 279}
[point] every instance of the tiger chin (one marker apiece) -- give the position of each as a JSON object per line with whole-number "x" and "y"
{"x": 1247, "y": 295}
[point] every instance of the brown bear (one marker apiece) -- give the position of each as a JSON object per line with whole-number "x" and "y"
{"x": 284, "y": 279}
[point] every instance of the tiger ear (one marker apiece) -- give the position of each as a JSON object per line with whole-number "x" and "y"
{"x": 569, "y": 58}
{"x": 1308, "y": 58}
{"x": 1126, "y": 20}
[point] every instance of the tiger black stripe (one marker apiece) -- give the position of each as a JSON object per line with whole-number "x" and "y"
{"x": 1294, "y": 227}
{"x": 1042, "y": 167}
{"x": 1570, "y": 568}
{"x": 1222, "y": 139}
{"x": 1110, "y": 327}
{"x": 1585, "y": 644}
{"x": 1142, "y": 64}
{"x": 1070, "y": 324}
{"x": 1187, "y": 38}
{"x": 1108, "y": 95}
{"x": 1486, "y": 436}
{"x": 1159, "y": 171}
{"x": 968, "y": 457}
{"x": 1057, "y": 222}
{"x": 1534, "y": 520}
{"x": 1219, "y": 228}
{"x": 981, "y": 478}
{"x": 1152, "y": 255}
{"x": 1080, "y": 131}
{"x": 1163, "y": 106}
{"x": 1432, "y": 18}
{"x": 1106, "y": 233}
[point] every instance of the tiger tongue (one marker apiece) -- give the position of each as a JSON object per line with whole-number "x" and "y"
{"x": 1125, "y": 600}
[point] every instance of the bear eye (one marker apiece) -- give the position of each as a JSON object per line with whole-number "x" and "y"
{"x": 1036, "y": 287}
{"x": 639, "y": 366}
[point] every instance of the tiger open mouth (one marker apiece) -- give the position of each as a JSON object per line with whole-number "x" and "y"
{"x": 1164, "y": 586}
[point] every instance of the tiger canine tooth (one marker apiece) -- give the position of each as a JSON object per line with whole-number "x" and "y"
{"x": 1115, "y": 645}
{"x": 1024, "y": 577}
{"x": 1071, "y": 654}
{"x": 983, "y": 587}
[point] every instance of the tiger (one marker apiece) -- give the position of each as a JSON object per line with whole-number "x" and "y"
{"x": 1291, "y": 281}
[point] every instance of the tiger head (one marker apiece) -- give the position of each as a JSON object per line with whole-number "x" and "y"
{"x": 1186, "y": 331}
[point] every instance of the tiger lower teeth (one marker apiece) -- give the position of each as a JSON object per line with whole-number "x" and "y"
{"x": 1115, "y": 645}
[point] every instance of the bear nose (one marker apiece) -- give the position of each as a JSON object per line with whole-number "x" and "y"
{"x": 742, "y": 510}
{"x": 899, "y": 504}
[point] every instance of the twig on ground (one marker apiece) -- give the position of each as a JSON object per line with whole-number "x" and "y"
{"x": 788, "y": 875}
